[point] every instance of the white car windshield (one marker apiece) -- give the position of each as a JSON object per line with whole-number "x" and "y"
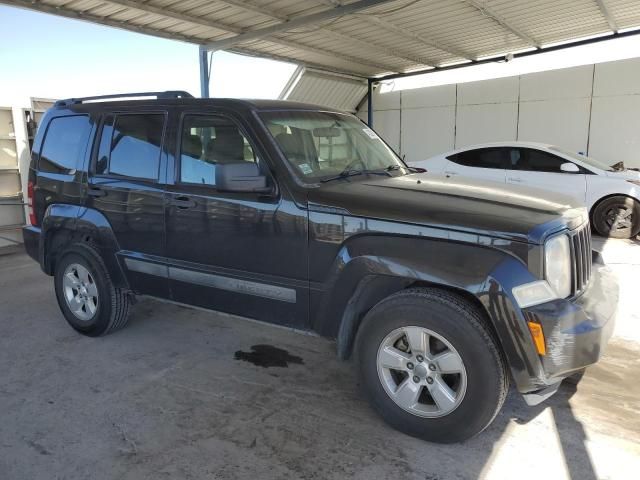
{"x": 322, "y": 145}
{"x": 592, "y": 162}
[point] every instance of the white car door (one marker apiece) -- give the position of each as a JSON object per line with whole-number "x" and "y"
{"x": 540, "y": 169}
{"x": 485, "y": 163}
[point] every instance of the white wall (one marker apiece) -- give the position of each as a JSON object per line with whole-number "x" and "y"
{"x": 593, "y": 109}
{"x": 615, "y": 113}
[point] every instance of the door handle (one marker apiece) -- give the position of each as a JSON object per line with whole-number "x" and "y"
{"x": 96, "y": 192}
{"x": 449, "y": 173}
{"x": 182, "y": 202}
{"x": 515, "y": 180}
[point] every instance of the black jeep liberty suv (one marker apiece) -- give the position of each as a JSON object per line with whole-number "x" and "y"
{"x": 443, "y": 290}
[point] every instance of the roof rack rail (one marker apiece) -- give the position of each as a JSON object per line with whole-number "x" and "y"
{"x": 158, "y": 95}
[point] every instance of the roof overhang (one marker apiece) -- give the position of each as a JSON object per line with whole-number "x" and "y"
{"x": 364, "y": 38}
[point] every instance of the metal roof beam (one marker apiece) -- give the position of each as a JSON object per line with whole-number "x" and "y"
{"x": 393, "y": 52}
{"x": 487, "y": 12}
{"x": 168, "y": 13}
{"x": 295, "y": 23}
{"x": 429, "y": 42}
{"x": 317, "y": 66}
{"x": 527, "y": 53}
{"x": 253, "y": 8}
{"x": 250, "y": 7}
{"x": 604, "y": 10}
{"x": 329, "y": 53}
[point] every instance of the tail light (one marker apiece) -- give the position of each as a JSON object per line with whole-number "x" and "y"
{"x": 32, "y": 215}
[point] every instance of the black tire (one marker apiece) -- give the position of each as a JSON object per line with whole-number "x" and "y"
{"x": 603, "y": 217}
{"x": 464, "y": 327}
{"x": 113, "y": 304}
{"x": 576, "y": 378}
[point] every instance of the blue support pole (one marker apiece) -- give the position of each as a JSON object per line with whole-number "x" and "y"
{"x": 370, "y": 103}
{"x": 204, "y": 72}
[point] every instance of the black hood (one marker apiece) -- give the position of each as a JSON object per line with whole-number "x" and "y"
{"x": 463, "y": 204}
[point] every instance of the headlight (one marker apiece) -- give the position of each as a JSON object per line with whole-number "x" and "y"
{"x": 557, "y": 265}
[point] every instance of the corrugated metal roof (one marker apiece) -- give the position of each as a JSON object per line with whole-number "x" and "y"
{"x": 377, "y": 39}
{"x": 330, "y": 90}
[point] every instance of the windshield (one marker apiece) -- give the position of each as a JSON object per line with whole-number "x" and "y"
{"x": 321, "y": 145}
{"x": 584, "y": 159}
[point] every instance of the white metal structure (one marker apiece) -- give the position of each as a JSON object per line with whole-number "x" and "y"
{"x": 13, "y": 152}
{"x": 548, "y": 167}
{"x": 327, "y": 89}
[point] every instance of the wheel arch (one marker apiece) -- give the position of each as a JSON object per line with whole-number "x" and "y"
{"x": 373, "y": 289}
{"x": 606, "y": 197}
{"x": 64, "y": 225}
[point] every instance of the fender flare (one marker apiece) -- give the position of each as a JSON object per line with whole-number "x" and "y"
{"x": 65, "y": 224}
{"x": 488, "y": 275}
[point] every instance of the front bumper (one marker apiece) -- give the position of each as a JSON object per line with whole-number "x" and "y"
{"x": 576, "y": 331}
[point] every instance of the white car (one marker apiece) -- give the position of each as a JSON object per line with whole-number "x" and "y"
{"x": 610, "y": 193}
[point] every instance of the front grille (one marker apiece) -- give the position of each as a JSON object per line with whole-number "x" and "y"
{"x": 582, "y": 257}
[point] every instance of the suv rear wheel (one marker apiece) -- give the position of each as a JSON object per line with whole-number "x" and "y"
{"x": 430, "y": 366}
{"x": 86, "y": 295}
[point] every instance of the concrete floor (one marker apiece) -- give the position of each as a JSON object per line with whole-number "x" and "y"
{"x": 166, "y": 398}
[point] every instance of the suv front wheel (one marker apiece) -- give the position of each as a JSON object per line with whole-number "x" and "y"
{"x": 88, "y": 299}
{"x": 430, "y": 365}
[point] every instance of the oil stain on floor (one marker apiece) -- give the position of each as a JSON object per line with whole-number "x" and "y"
{"x": 268, "y": 356}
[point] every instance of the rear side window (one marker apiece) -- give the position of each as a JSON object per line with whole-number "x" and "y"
{"x": 130, "y": 146}
{"x": 65, "y": 144}
{"x": 481, "y": 158}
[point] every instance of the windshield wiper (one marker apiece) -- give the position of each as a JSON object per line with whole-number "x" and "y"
{"x": 407, "y": 167}
{"x": 351, "y": 172}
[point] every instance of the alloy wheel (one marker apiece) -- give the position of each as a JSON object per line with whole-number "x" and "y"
{"x": 619, "y": 217}
{"x": 421, "y": 371}
{"x": 80, "y": 291}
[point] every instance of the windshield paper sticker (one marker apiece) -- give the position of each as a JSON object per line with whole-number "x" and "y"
{"x": 305, "y": 168}
{"x": 372, "y": 135}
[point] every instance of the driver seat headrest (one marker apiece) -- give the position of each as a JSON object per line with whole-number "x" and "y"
{"x": 227, "y": 147}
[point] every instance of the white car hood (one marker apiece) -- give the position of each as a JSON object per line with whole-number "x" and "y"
{"x": 624, "y": 175}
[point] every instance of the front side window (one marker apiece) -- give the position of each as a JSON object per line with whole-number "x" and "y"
{"x": 592, "y": 162}
{"x": 208, "y": 141}
{"x": 320, "y": 145}
{"x": 65, "y": 144}
{"x": 130, "y": 145}
{"x": 481, "y": 158}
{"x": 538, "y": 161}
